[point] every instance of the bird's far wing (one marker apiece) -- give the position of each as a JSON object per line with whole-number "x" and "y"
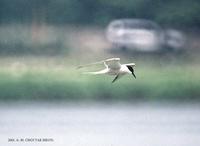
{"x": 86, "y": 65}
{"x": 117, "y": 77}
{"x": 113, "y": 63}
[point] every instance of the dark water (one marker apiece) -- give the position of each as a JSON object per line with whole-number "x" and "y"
{"x": 99, "y": 125}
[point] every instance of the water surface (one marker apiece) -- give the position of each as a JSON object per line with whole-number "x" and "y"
{"x": 100, "y": 124}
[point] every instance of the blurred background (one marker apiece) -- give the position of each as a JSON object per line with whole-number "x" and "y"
{"x": 43, "y": 41}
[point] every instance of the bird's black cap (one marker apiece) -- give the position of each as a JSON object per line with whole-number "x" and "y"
{"x": 132, "y": 70}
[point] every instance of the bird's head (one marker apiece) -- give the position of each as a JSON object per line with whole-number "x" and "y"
{"x": 130, "y": 67}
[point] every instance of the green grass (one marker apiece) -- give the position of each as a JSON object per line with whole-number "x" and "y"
{"x": 153, "y": 83}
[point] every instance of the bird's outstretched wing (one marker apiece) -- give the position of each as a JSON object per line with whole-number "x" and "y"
{"x": 113, "y": 63}
{"x": 90, "y": 64}
{"x": 104, "y": 71}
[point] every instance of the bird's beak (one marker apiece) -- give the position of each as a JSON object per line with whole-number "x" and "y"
{"x": 133, "y": 74}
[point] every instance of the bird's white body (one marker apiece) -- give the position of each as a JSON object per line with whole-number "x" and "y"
{"x": 113, "y": 67}
{"x": 122, "y": 70}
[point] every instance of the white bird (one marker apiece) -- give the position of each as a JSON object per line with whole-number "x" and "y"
{"x": 113, "y": 67}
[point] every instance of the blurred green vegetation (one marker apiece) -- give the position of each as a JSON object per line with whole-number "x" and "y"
{"x": 180, "y": 13}
{"x": 58, "y": 83}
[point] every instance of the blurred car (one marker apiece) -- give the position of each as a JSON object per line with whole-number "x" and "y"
{"x": 174, "y": 40}
{"x": 142, "y": 35}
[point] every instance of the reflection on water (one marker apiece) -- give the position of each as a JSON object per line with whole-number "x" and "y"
{"x": 100, "y": 125}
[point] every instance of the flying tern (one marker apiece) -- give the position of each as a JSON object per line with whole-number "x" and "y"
{"x": 113, "y": 67}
